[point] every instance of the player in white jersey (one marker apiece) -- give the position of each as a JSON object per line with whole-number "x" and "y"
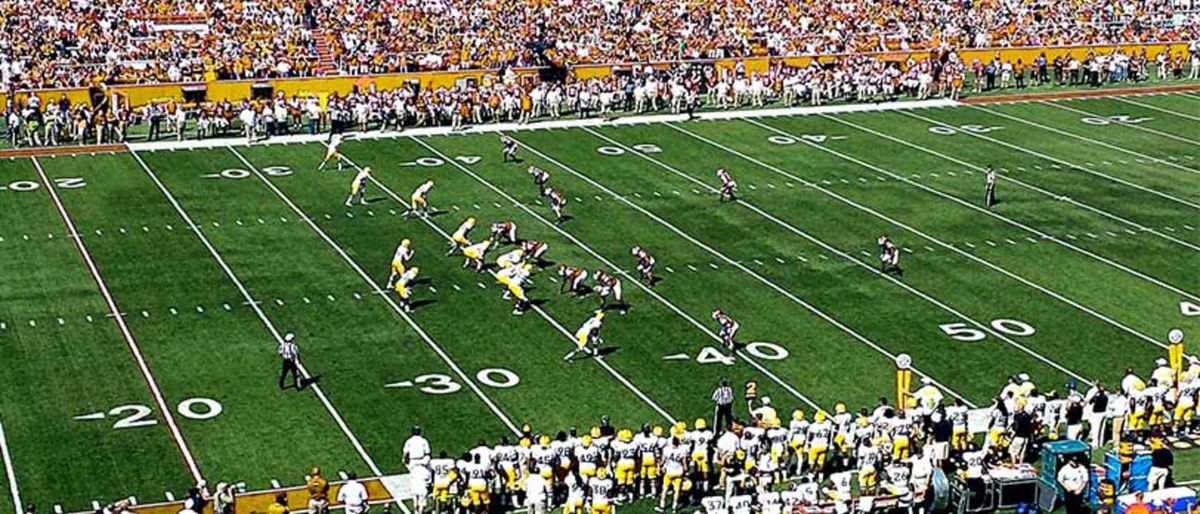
{"x": 459, "y": 240}
{"x": 609, "y": 285}
{"x": 358, "y": 187}
{"x": 540, "y": 178}
{"x": 445, "y": 475}
{"x": 727, "y": 328}
{"x": 543, "y": 458}
{"x": 601, "y": 492}
{"x": 576, "y": 486}
{"x": 509, "y": 468}
{"x": 700, "y": 439}
{"x": 478, "y": 473}
{"x": 588, "y": 454}
{"x": 473, "y": 255}
{"x": 777, "y": 442}
{"x": 510, "y": 148}
{"x": 869, "y": 460}
{"x": 958, "y": 415}
{"x": 514, "y": 257}
{"x": 901, "y": 430}
{"x": 675, "y": 465}
{"x": 557, "y": 203}
{"x": 647, "y": 442}
{"x": 332, "y": 152}
{"x": 587, "y": 337}
{"x": 505, "y": 232}
{"x": 797, "y": 437}
{"x": 513, "y": 279}
{"x": 418, "y": 202}
{"x": 889, "y": 256}
{"x": 819, "y": 434}
{"x": 625, "y": 454}
{"x": 400, "y": 259}
{"x": 728, "y": 186}
{"x": 571, "y": 280}
{"x": 403, "y": 287}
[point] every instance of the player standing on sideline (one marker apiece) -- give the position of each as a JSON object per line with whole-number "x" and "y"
{"x": 540, "y": 177}
{"x": 400, "y": 260}
{"x": 534, "y": 250}
{"x": 510, "y": 148}
{"x": 402, "y": 289}
{"x": 587, "y": 338}
{"x": 572, "y": 280}
{"x": 989, "y": 191}
{"x": 318, "y": 492}
{"x": 889, "y": 256}
{"x": 458, "y": 240}
{"x": 289, "y": 355}
{"x": 504, "y": 232}
{"x": 727, "y": 328}
{"x": 728, "y": 186}
{"x": 557, "y": 202}
{"x": 418, "y": 204}
{"x": 645, "y": 264}
{"x": 332, "y": 153}
{"x": 607, "y": 284}
{"x": 359, "y": 187}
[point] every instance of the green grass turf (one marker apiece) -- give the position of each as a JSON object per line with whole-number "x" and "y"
{"x": 795, "y": 264}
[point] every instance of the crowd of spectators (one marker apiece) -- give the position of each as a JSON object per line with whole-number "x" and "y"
{"x": 60, "y": 43}
{"x": 37, "y": 121}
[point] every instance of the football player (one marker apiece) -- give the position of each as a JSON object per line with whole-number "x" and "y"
{"x": 797, "y": 435}
{"x": 625, "y": 454}
{"x": 675, "y": 464}
{"x": 445, "y": 475}
{"x": 540, "y": 178}
{"x": 534, "y": 250}
{"x": 889, "y": 256}
{"x": 418, "y": 203}
{"x": 587, "y": 338}
{"x": 513, "y": 279}
{"x": 513, "y": 258}
{"x": 459, "y": 240}
{"x": 400, "y": 260}
{"x": 571, "y": 280}
{"x": 645, "y": 264}
{"x": 473, "y": 254}
{"x": 819, "y": 433}
{"x": 358, "y": 187}
{"x": 607, "y": 284}
{"x": 332, "y": 152}
{"x": 600, "y": 491}
{"x": 700, "y": 439}
{"x": 728, "y": 186}
{"x": 510, "y": 148}
{"x": 727, "y": 328}
{"x": 557, "y": 202}
{"x": 647, "y": 442}
{"x": 402, "y": 287}
{"x": 505, "y": 232}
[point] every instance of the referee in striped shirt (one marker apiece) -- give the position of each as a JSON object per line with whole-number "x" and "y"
{"x": 722, "y": 398}
{"x": 289, "y": 354}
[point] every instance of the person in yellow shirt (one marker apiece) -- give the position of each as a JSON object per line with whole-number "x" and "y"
{"x": 280, "y": 505}
{"x": 318, "y": 492}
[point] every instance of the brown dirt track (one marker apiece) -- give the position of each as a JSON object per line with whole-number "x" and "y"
{"x": 46, "y": 151}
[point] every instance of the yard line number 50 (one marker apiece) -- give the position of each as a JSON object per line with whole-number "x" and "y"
{"x": 962, "y": 332}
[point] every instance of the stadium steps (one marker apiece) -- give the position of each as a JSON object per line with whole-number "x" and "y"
{"x": 325, "y": 64}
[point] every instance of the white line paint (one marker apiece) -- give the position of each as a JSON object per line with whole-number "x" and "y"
{"x": 813, "y": 239}
{"x": 632, "y": 279}
{"x": 786, "y": 293}
{"x": 988, "y": 212}
{"x": 1008, "y": 178}
{"x": 1126, "y": 124}
{"x": 254, "y": 305}
{"x": 466, "y": 379}
{"x": 164, "y": 409}
{"x": 1155, "y": 108}
{"x": 13, "y": 490}
{"x": 989, "y": 264}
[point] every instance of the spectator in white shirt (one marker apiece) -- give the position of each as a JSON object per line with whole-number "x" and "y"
{"x": 1074, "y": 480}
{"x": 416, "y": 450}
{"x": 353, "y": 495}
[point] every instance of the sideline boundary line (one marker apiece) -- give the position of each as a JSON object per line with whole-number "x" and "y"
{"x": 14, "y": 491}
{"x": 817, "y": 241}
{"x": 1005, "y": 176}
{"x": 167, "y": 414}
{"x": 388, "y": 299}
{"x": 1096, "y": 142}
{"x": 542, "y": 312}
{"x": 587, "y": 249}
{"x": 1007, "y": 220}
{"x": 270, "y": 326}
{"x": 772, "y": 285}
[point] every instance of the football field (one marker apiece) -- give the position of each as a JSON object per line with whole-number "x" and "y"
{"x": 144, "y": 293}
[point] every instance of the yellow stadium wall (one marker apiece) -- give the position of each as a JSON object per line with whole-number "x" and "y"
{"x": 234, "y": 90}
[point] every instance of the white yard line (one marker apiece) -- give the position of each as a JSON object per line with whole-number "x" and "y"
{"x": 13, "y": 490}
{"x": 254, "y": 304}
{"x": 541, "y": 312}
{"x": 921, "y": 294}
{"x": 1125, "y": 124}
{"x": 772, "y": 285}
{"x": 466, "y": 379}
{"x": 1019, "y": 182}
{"x": 167, "y": 413}
{"x": 1156, "y": 108}
{"x": 987, "y": 212}
{"x": 631, "y": 119}
{"x": 631, "y": 279}
{"x": 1096, "y": 142}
